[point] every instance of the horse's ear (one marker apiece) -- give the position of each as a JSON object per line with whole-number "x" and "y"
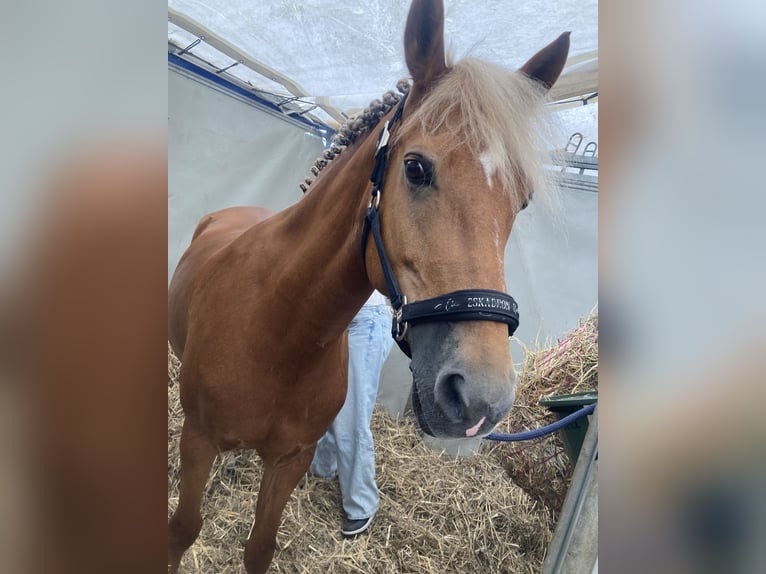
{"x": 546, "y": 65}
{"x": 424, "y": 42}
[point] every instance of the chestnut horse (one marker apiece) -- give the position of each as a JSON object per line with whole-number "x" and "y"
{"x": 260, "y": 302}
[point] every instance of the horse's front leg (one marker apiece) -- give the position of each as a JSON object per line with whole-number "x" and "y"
{"x": 280, "y": 477}
{"x": 197, "y": 456}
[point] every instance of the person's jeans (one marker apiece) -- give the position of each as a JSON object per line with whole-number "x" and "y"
{"x": 347, "y": 447}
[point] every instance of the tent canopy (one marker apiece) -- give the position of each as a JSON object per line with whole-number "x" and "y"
{"x": 327, "y": 60}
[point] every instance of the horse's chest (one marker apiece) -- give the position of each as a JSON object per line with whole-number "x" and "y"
{"x": 257, "y": 403}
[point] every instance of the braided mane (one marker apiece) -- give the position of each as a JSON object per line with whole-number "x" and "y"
{"x": 355, "y": 127}
{"x": 495, "y": 112}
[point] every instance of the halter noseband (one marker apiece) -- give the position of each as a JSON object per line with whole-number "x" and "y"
{"x": 464, "y": 305}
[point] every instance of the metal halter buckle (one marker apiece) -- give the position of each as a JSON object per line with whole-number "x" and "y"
{"x": 374, "y": 199}
{"x": 401, "y": 331}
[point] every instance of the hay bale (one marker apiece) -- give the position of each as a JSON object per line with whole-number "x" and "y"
{"x": 437, "y": 515}
{"x": 541, "y": 467}
{"x": 569, "y": 366}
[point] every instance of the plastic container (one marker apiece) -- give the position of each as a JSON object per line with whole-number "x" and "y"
{"x": 573, "y": 434}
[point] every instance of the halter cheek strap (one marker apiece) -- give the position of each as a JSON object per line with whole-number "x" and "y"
{"x": 372, "y": 216}
{"x": 465, "y": 305}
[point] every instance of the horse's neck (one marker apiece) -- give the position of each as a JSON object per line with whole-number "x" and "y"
{"x": 325, "y": 242}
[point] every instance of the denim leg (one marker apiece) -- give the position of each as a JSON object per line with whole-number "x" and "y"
{"x": 325, "y": 463}
{"x": 369, "y": 342}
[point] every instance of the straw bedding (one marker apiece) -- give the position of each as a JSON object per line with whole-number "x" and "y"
{"x": 492, "y": 512}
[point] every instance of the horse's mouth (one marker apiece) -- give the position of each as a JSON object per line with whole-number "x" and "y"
{"x": 441, "y": 428}
{"x": 418, "y": 408}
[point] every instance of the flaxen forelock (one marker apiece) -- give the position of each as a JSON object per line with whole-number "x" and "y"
{"x": 494, "y": 112}
{"x": 491, "y": 110}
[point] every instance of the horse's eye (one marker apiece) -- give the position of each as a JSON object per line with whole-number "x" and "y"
{"x": 418, "y": 172}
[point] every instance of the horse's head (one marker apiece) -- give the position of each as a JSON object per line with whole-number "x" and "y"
{"x": 462, "y": 162}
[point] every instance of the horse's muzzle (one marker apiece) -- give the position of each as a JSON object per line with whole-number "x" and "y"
{"x": 452, "y": 397}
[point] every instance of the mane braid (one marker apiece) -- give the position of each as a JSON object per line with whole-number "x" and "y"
{"x": 355, "y": 127}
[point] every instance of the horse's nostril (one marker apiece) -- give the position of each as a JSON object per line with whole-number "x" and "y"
{"x": 451, "y": 393}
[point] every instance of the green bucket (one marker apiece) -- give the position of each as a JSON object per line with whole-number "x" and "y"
{"x": 573, "y": 434}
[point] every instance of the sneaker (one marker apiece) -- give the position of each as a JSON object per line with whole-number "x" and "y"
{"x": 352, "y": 528}
{"x": 315, "y": 474}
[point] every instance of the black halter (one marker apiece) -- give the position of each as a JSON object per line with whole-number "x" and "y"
{"x": 465, "y": 305}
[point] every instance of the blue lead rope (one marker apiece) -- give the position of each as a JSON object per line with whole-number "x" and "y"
{"x": 546, "y": 430}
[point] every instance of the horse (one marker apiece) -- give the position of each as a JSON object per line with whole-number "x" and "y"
{"x": 260, "y": 301}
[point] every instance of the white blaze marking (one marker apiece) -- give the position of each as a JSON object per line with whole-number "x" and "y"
{"x": 474, "y": 429}
{"x": 489, "y": 167}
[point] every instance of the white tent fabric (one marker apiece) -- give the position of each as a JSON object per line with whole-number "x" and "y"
{"x": 225, "y": 151}
{"x": 340, "y": 55}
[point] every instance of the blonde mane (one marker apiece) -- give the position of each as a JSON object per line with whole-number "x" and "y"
{"x": 500, "y": 116}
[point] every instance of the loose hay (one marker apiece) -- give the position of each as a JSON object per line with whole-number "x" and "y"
{"x": 437, "y": 515}
{"x": 541, "y": 467}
